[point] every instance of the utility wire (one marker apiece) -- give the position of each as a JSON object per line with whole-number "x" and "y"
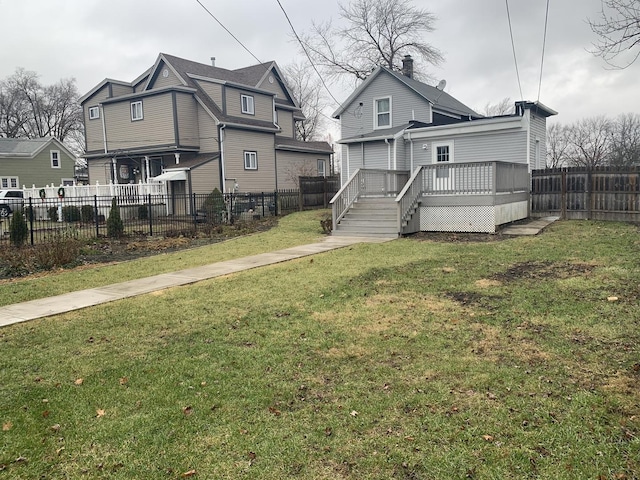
{"x": 307, "y": 53}
{"x": 544, "y": 42}
{"x": 513, "y": 46}
{"x": 228, "y": 31}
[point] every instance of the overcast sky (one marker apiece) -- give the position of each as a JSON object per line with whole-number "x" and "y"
{"x": 94, "y": 39}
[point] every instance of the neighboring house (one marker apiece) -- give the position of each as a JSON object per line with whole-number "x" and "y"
{"x": 198, "y": 127}
{"x": 35, "y": 162}
{"x": 468, "y": 172}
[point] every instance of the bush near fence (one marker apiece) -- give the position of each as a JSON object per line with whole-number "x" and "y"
{"x": 152, "y": 215}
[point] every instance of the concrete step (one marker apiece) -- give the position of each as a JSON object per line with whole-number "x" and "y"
{"x": 367, "y": 229}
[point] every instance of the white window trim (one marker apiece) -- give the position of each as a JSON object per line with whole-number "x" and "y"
{"x": 434, "y": 151}
{"x": 94, "y": 113}
{"x": 5, "y": 182}
{"x": 251, "y": 108}
{"x": 67, "y": 182}
{"x": 376, "y": 114}
{"x": 248, "y": 156}
{"x": 57, "y": 152}
{"x": 322, "y": 162}
{"x": 134, "y": 109}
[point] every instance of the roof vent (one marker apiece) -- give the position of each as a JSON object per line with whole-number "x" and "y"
{"x": 213, "y": 61}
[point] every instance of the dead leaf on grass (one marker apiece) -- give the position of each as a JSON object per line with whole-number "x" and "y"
{"x": 7, "y": 426}
{"x": 124, "y": 381}
{"x": 488, "y": 438}
{"x": 79, "y": 381}
{"x": 45, "y": 414}
{"x": 187, "y": 410}
{"x": 100, "y": 413}
{"x": 56, "y": 427}
{"x": 188, "y": 474}
{"x": 275, "y": 411}
{"x": 353, "y": 413}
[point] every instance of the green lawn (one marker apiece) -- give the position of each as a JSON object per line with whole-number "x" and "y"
{"x": 404, "y": 360}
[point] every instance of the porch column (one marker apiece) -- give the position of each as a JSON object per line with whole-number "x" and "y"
{"x": 114, "y": 167}
{"x": 177, "y": 157}
{"x": 147, "y": 173}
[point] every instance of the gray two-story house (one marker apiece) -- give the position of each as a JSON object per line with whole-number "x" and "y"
{"x": 422, "y": 160}
{"x": 198, "y": 127}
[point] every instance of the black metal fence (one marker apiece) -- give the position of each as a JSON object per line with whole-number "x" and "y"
{"x": 166, "y": 215}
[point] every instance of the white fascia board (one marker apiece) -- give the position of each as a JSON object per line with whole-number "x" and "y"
{"x": 465, "y": 128}
{"x": 366, "y": 139}
{"x": 356, "y": 92}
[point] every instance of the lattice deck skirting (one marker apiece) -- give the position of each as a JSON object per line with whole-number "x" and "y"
{"x": 477, "y": 219}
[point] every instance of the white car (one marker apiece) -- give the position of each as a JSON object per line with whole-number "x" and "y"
{"x": 10, "y": 200}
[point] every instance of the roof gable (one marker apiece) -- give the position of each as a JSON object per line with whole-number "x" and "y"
{"x": 30, "y": 147}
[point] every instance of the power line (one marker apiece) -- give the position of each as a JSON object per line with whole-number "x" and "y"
{"x": 513, "y": 46}
{"x": 228, "y": 31}
{"x": 544, "y": 42}
{"x": 304, "y": 49}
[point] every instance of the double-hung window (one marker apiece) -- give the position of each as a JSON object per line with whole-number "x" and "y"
{"x": 136, "y": 111}
{"x": 382, "y": 112}
{"x": 250, "y": 161}
{"x": 94, "y": 113}
{"x": 247, "y": 104}
{"x": 321, "y": 168}
{"x": 9, "y": 182}
{"x": 55, "y": 158}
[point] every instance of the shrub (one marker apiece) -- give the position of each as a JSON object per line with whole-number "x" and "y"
{"x": 71, "y": 213}
{"x": 53, "y": 213}
{"x": 213, "y": 206}
{"x": 60, "y": 250}
{"x": 115, "y": 227}
{"x": 143, "y": 212}
{"x": 15, "y": 262}
{"x": 327, "y": 225}
{"x": 18, "y": 230}
{"x": 87, "y": 213}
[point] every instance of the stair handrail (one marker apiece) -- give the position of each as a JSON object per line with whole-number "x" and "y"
{"x": 409, "y": 196}
{"x": 342, "y": 201}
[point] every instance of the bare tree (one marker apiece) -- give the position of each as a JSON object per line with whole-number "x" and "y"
{"x": 590, "y": 142}
{"x": 309, "y": 94}
{"x": 503, "y": 107}
{"x": 558, "y": 146}
{"x": 30, "y": 110}
{"x": 618, "y": 31}
{"x": 372, "y": 33}
{"x": 625, "y": 140}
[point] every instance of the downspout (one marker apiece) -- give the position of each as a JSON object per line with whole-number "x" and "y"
{"x": 222, "y": 172}
{"x": 104, "y": 129}
{"x": 411, "y": 154}
{"x": 386, "y": 140}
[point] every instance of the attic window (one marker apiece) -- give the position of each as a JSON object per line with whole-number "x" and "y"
{"x": 382, "y": 109}
{"x": 94, "y": 113}
{"x": 55, "y": 158}
{"x": 247, "y": 104}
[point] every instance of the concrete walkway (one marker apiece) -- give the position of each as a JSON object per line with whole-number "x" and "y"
{"x": 532, "y": 226}
{"x": 44, "y": 307}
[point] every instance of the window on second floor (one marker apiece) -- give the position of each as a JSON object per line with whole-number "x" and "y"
{"x": 136, "y": 111}
{"x": 55, "y": 158}
{"x": 382, "y": 112}
{"x": 247, "y": 104}
{"x": 94, "y": 113}
{"x": 250, "y": 161}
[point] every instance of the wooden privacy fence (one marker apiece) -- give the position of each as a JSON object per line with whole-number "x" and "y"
{"x": 600, "y": 193}
{"x": 318, "y": 191}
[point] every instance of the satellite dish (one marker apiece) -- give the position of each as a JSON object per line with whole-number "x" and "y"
{"x": 442, "y": 84}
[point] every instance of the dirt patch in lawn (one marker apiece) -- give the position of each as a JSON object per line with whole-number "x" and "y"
{"x": 453, "y": 237}
{"x": 543, "y": 270}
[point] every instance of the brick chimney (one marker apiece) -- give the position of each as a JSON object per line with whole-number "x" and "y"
{"x": 407, "y": 66}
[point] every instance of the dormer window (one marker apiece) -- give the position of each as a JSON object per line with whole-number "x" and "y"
{"x": 247, "y": 104}
{"x": 382, "y": 112}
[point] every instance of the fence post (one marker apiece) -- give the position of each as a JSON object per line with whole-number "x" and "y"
{"x": 275, "y": 202}
{"x": 300, "y": 198}
{"x": 150, "y": 215}
{"x": 95, "y": 215}
{"x": 193, "y": 212}
{"x": 31, "y": 215}
{"x": 563, "y": 195}
{"x": 325, "y": 193}
{"x": 262, "y": 194}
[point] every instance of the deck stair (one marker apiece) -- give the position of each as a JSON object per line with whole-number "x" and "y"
{"x": 370, "y": 217}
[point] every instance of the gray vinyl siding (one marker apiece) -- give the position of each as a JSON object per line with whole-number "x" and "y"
{"x": 486, "y": 147}
{"x": 274, "y": 87}
{"x": 400, "y": 152}
{"x": 263, "y": 104}
{"x": 376, "y": 155}
{"x": 156, "y": 127}
{"x": 292, "y": 165}
{"x": 99, "y": 171}
{"x": 285, "y": 122}
{"x": 405, "y": 106}
{"x": 119, "y": 90}
{"x": 188, "y": 131}
{"x": 235, "y": 144}
{"x": 205, "y": 177}
{"x": 37, "y": 171}
{"x": 170, "y": 81}
{"x": 214, "y": 90}
{"x": 93, "y": 128}
{"x": 538, "y": 131}
{"x": 208, "y": 131}
{"x": 355, "y": 158}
